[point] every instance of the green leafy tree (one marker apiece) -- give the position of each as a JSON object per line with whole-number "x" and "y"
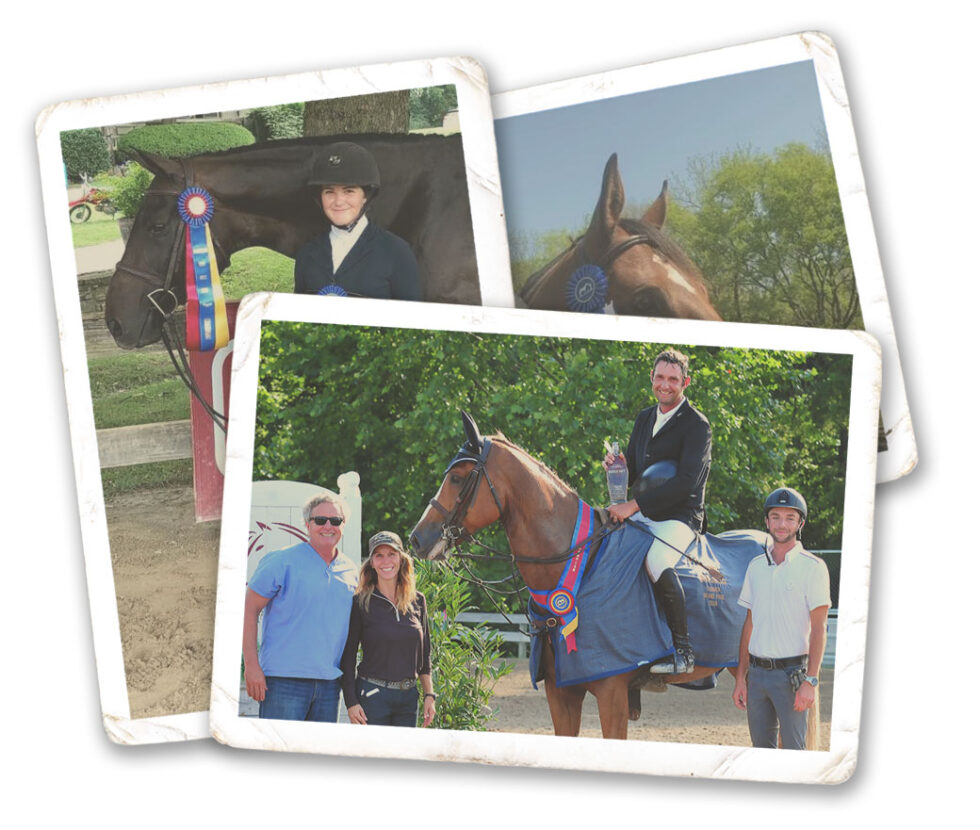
{"x": 429, "y": 105}
{"x": 84, "y": 152}
{"x": 385, "y": 402}
{"x": 768, "y": 233}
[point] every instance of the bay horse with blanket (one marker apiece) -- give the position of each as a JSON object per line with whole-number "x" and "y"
{"x": 596, "y": 626}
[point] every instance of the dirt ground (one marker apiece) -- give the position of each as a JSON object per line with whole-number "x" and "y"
{"x": 674, "y": 716}
{"x": 165, "y": 568}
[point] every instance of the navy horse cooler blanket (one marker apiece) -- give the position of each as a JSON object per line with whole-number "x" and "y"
{"x": 619, "y": 626}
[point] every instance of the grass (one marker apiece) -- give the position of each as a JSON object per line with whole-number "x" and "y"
{"x": 99, "y": 228}
{"x": 136, "y": 388}
{"x": 257, "y": 269}
{"x": 118, "y": 480}
{"x": 142, "y": 387}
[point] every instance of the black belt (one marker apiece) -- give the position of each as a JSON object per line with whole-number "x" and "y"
{"x": 779, "y": 663}
{"x": 401, "y": 685}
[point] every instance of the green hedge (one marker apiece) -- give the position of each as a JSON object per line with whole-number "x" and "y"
{"x": 180, "y": 140}
{"x": 274, "y": 123}
{"x": 84, "y": 151}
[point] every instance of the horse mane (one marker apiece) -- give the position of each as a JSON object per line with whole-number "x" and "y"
{"x": 666, "y": 246}
{"x": 545, "y": 471}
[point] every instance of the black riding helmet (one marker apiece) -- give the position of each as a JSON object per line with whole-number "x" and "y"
{"x": 785, "y": 497}
{"x": 345, "y": 162}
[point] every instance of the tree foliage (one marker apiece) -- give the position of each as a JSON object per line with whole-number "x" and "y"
{"x": 277, "y": 122}
{"x": 428, "y": 105}
{"x": 84, "y": 152}
{"x": 768, "y": 233}
{"x": 385, "y": 402}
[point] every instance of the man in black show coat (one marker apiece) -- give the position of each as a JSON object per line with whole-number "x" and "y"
{"x": 672, "y": 430}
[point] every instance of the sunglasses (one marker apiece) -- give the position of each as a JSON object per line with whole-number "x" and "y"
{"x": 336, "y": 521}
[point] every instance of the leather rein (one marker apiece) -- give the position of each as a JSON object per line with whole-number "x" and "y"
{"x": 164, "y": 300}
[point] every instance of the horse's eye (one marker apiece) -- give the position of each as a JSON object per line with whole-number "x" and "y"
{"x": 158, "y": 228}
{"x": 455, "y": 479}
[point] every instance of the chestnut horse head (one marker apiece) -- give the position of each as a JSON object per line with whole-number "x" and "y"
{"x": 492, "y": 479}
{"x": 629, "y": 264}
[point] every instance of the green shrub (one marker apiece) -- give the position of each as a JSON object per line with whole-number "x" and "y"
{"x": 126, "y": 192}
{"x": 188, "y": 139}
{"x": 277, "y": 122}
{"x": 84, "y": 151}
{"x": 466, "y": 662}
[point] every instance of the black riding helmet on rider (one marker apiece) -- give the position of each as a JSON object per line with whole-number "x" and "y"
{"x": 345, "y": 164}
{"x": 786, "y": 497}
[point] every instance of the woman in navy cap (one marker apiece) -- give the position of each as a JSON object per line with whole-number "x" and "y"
{"x": 355, "y": 257}
{"x": 389, "y": 622}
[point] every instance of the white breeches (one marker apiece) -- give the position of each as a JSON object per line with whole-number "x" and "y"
{"x": 673, "y": 539}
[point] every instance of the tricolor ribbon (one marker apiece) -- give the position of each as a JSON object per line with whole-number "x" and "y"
{"x": 207, "y": 319}
{"x": 560, "y": 601}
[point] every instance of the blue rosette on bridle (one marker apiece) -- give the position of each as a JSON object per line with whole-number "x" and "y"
{"x": 332, "y": 290}
{"x": 586, "y": 289}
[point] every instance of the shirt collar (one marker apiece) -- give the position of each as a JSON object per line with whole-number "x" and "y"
{"x": 793, "y": 551}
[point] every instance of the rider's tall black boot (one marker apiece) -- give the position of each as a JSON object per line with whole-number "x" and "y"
{"x": 670, "y": 596}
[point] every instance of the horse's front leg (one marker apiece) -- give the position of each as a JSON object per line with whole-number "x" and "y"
{"x": 613, "y": 699}
{"x": 565, "y": 704}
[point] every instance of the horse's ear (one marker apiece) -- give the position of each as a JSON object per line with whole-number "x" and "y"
{"x": 158, "y": 165}
{"x": 473, "y": 437}
{"x": 657, "y": 212}
{"x": 612, "y": 199}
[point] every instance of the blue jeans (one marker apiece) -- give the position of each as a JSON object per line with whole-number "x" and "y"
{"x": 300, "y": 698}
{"x": 770, "y": 709}
{"x": 388, "y": 707}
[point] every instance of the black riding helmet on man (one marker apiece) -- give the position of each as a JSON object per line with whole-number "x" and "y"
{"x": 355, "y": 256}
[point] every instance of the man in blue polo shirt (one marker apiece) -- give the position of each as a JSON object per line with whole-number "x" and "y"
{"x": 306, "y": 592}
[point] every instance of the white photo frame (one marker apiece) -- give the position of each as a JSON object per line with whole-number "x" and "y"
{"x": 553, "y": 110}
{"x": 651, "y": 757}
{"x": 482, "y": 187}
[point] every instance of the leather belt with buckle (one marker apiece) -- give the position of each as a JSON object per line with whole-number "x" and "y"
{"x": 779, "y": 663}
{"x": 400, "y": 685}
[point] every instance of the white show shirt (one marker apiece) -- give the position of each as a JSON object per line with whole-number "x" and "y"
{"x": 781, "y": 598}
{"x": 342, "y": 241}
{"x": 663, "y": 417}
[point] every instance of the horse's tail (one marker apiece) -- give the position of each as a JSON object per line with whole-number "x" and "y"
{"x": 813, "y": 722}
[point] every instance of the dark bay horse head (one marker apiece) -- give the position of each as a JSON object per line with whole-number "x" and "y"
{"x": 647, "y": 273}
{"x": 491, "y": 479}
{"x": 261, "y": 199}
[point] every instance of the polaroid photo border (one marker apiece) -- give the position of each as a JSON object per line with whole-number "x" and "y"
{"x": 482, "y": 184}
{"x": 552, "y": 98}
{"x": 648, "y": 757}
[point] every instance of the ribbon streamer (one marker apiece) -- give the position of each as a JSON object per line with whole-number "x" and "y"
{"x": 207, "y": 318}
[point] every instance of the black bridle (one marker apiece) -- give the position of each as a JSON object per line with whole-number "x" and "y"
{"x": 576, "y": 245}
{"x": 163, "y": 298}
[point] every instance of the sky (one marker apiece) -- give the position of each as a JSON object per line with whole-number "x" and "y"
{"x": 551, "y": 161}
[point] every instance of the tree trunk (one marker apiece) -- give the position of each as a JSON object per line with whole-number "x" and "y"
{"x": 380, "y": 112}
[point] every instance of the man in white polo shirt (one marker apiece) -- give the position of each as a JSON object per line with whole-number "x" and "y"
{"x": 787, "y": 594}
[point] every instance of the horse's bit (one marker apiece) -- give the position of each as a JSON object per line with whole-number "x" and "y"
{"x": 165, "y": 293}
